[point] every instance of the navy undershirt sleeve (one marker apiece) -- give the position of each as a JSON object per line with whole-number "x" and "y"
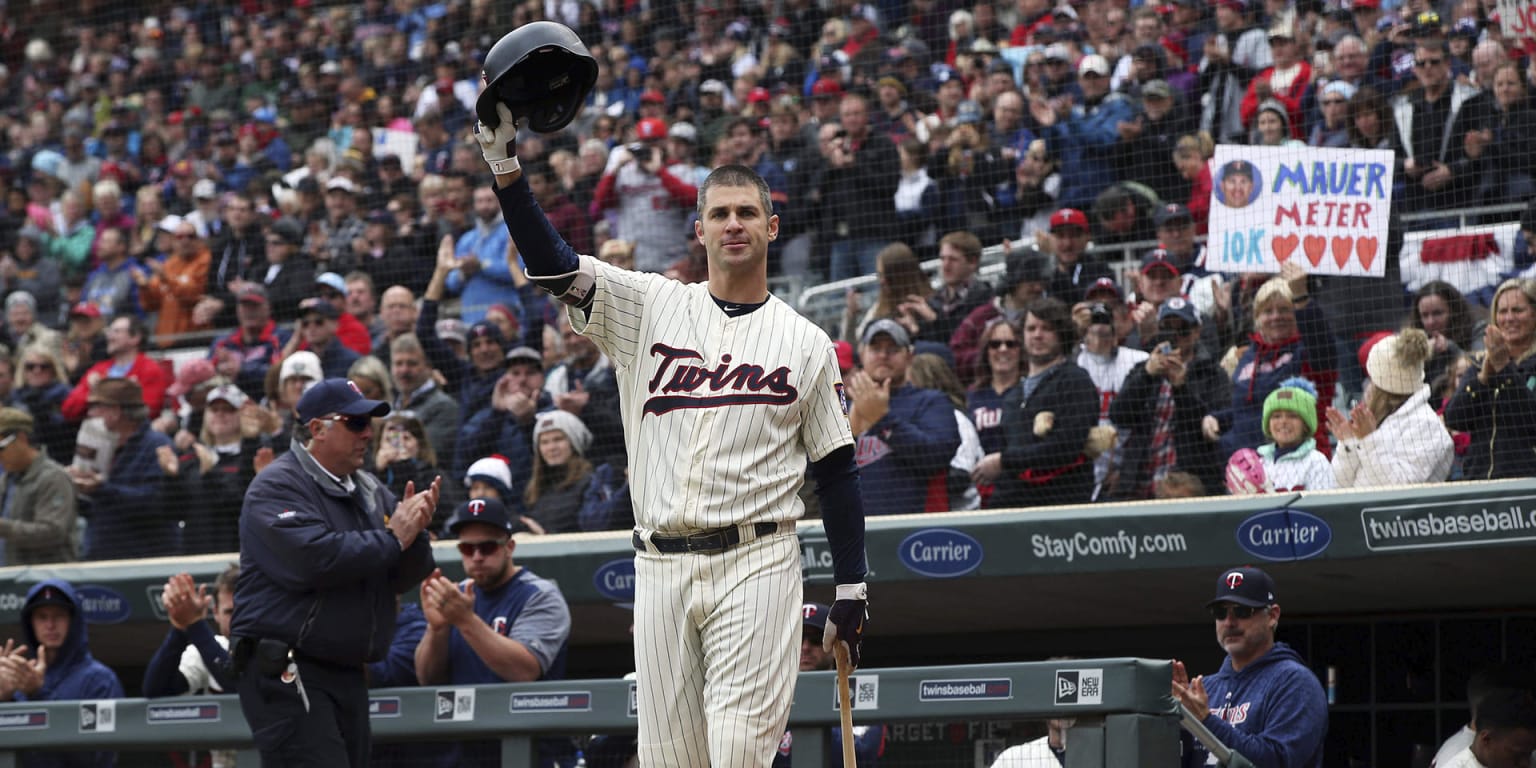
{"x": 842, "y": 513}
{"x": 543, "y": 250}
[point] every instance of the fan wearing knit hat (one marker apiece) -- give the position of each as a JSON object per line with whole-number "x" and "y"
{"x": 1292, "y": 461}
{"x": 1393, "y": 436}
{"x": 561, "y": 472}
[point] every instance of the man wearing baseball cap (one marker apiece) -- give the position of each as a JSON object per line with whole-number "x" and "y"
{"x": 245, "y": 354}
{"x": 653, "y": 204}
{"x": 318, "y": 322}
{"x": 1264, "y": 702}
{"x": 37, "y": 522}
{"x": 325, "y": 549}
{"x": 1075, "y": 270}
{"x": 911, "y": 430}
{"x": 503, "y": 624}
{"x": 1163, "y": 400}
{"x": 1084, "y": 134}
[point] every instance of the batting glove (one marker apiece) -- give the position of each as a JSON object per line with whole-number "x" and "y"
{"x": 846, "y": 620}
{"x": 499, "y": 144}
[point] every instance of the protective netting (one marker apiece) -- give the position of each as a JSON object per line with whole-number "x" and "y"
{"x": 237, "y": 198}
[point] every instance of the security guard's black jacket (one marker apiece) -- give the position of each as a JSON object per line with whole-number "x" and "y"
{"x": 318, "y": 569}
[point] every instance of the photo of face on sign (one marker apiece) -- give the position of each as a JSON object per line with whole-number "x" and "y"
{"x": 1238, "y": 184}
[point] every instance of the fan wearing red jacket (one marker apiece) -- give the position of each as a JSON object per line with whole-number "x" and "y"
{"x": 1286, "y": 81}
{"x": 125, "y": 359}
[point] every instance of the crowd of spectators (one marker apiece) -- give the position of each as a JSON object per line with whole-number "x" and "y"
{"x": 296, "y": 183}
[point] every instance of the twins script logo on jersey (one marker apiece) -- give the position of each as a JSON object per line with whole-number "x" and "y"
{"x": 740, "y": 384}
{"x": 1233, "y": 714}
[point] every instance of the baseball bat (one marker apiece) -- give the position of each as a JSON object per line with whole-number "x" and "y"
{"x": 845, "y": 708}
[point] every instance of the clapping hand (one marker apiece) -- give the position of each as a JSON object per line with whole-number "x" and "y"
{"x": 1497, "y": 354}
{"x": 871, "y": 400}
{"x": 169, "y": 464}
{"x": 1190, "y": 693}
{"x": 185, "y": 601}
{"x": 414, "y": 513}
{"x": 23, "y": 674}
{"x": 443, "y": 604}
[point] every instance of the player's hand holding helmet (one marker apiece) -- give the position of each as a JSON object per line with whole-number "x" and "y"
{"x": 846, "y": 620}
{"x": 499, "y": 145}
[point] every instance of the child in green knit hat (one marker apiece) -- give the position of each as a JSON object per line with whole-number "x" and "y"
{"x": 1292, "y": 462}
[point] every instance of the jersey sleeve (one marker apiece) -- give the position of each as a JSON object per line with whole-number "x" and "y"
{"x": 618, "y": 307}
{"x": 194, "y": 670}
{"x": 824, "y": 425}
{"x": 543, "y": 625}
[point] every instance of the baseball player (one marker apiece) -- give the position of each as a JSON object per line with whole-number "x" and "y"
{"x": 725, "y": 392}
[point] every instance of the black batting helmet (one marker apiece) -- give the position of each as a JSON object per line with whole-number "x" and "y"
{"x": 541, "y": 71}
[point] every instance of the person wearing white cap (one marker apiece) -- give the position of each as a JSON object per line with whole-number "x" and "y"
{"x": 299, "y": 371}
{"x": 341, "y": 226}
{"x": 561, "y": 471}
{"x": 1083, "y": 135}
{"x": 1333, "y": 129}
{"x": 205, "y": 212}
{"x": 1393, "y": 436}
{"x": 209, "y": 479}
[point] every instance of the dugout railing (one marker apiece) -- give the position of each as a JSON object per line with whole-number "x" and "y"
{"x": 1121, "y": 706}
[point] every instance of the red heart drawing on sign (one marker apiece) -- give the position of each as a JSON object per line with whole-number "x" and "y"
{"x": 1341, "y": 248}
{"x": 1366, "y": 249}
{"x": 1284, "y": 247}
{"x": 1314, "y": 246}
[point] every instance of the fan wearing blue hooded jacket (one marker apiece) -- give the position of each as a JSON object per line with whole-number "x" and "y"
{"x": 1264, "y": 702}
{"x": 63, "y": 668}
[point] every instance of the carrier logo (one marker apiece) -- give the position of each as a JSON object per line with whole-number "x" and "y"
{"x": 455, "y": 705}
{"x": 98, "y": 716}
{"x": 100, "y": 605}
{"x": 996, "y": 689}
{"x": 384, "y": 706}
{"x": 560, "y": 701}
{"x": 24, "y": 721}
{"x": 615, "y": 580}
{"x": 1079, "y": 686}
{"x": 1284, "y": 534}
{"x": 155, "y": 714}
{"x": 940, "y": 553}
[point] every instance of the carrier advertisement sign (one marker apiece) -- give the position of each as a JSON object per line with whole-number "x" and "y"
{"x": 1325, "y": 209}
{"x": 1284, "y": 534}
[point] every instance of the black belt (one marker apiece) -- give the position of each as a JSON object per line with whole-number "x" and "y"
{"x": 703, "y": 542}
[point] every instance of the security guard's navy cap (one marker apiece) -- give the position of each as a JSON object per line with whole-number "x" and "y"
{"x": 337, "y": 396}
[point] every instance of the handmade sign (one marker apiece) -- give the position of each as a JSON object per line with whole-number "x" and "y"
{"x": 1326, "y": 208}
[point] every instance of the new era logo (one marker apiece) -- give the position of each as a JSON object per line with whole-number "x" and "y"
{"x": 1079, "y": 686}
{"x": 1066, "y": 688}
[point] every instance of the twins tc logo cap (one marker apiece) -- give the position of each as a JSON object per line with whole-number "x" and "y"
{"x": 491, "y": 512}
{"x": 814, "y": 615}
{"x": 1245, "y": 586}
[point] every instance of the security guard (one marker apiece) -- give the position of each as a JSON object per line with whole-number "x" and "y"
{"x": 324, "y": 550}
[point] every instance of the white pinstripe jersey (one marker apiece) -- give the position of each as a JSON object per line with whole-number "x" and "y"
{"x": 719, "y": 412}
